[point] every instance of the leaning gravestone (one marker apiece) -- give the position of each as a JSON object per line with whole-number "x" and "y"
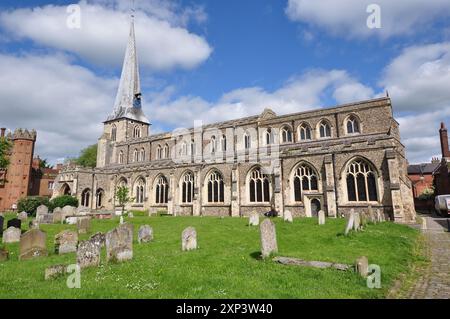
{"x": 11, "y": 235}
{"x": 287, "y": 216}
{"x": 23, "y": 216}
{"x": 88, "y": 254}
{"x": 253, "y": 219}
{"x": 33, "y": 244}
{"x": 41, "y": 210}
{"x": 357, "y": 222}
{"x": 321, "y": 217}
{"x": 362, "y": 266}
{"x": 2, "y": 220}
{"x": 57, "y": 215}
{"x": 189, "y": 239}
{"x": 66, "y": 242}
{"x": 99, "y": 239}
{"x": 83, "y": 225}
{"x": 145, "y": 234}
{"x": 14, "y": 223}
{"x": 119, "y": 243}
{"x": 350, "y": 222}
{"x": 268, "y": 238}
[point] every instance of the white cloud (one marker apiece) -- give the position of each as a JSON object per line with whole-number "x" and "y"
{"x": 349, "y": 17}
{"x": 164, "y": 42}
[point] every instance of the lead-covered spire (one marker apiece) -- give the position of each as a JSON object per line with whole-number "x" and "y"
{"x": 128, "y": 100}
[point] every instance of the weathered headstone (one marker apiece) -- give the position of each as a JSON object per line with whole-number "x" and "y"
{"x": 88, "y": 254}
{"x": 2, "y": 220}
{"x": 15, "y": 222}
{"x": 363, "y": 219}
{"x": 99, "y": 239}
{"x": 371, "y": 214}
{"x": 11, "y": 235}
{"x": 350, "y": 222}
{"x": 268, "y": 238}
{"x": 72, "y": 220}
{"x": 66, "y": 242}
{"x": 119, "y": 243}
{"x": 287, "y": 216}
{"x": 379, "y": 216}
{"x": 33, "y": 224}
{"x": 68, "y": 211}
{"x": 321, "y": 217}
{"x": 121, "y": 220}
{"x": 45, "y": 219}
{"x": 83, "y": 225}
{"x": 357, "y": 222}
{"x": 189, "y": 239}
{"x": 57, "y": 215}
{"x": 33, "y": 244}
{"x": 23, "y": 216}
{"x": 41, "y": 210}
{"x": 362, "y": 266}
{"x": 145, "y": 234}
{"x": 3, "y": 254}
{"x": 55, "y": 271}
{"x": 253, "y": 219}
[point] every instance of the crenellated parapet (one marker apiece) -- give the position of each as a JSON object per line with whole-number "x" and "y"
{"x": 21, "y": 134}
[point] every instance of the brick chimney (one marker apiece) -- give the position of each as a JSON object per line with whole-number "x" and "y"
{"x": 3, "y": 130}
{"x": 444, "y": 141}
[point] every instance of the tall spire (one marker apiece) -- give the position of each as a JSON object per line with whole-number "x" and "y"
{"x": 128, "y": 100}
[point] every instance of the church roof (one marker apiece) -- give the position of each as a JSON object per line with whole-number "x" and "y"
{"x": 128, "y": 100}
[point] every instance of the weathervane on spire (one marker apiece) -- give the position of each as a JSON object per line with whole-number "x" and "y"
{"x": 133, "y": 9}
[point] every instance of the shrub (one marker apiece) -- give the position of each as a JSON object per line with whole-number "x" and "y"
{"x": 428, "y": 193}
{"x": 64, "y": 200}
{"x": 31, "y": 203}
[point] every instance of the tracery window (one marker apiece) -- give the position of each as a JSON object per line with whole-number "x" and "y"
{"x": 361, "y": 182}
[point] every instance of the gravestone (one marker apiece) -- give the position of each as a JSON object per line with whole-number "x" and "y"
{"x": 287, "y": 216}
{"x": 321, "y": 217}
{"x": 357, "y": 222}
{"x": 363, "y": 219}
{"x": 4, "y": 255}
{"x": 253, "y": 219}
{"x": 268, "y": 238}
{"x": 99, "y": 239}
{"x": 88, "y": 254}
{"x": 57, "y": 215}
{"x": 15, "y": 222}
{"x": 379, "y": 216}
{"x": 68, "y": 211}
{"x": 189, "y": 239}
{"x": 350, "y": 222}
{"x": 45, "y": 219}
{"x": 11, "y": 235}
{"x": 72, "y": 220}
{"x": 2, "y": 220}
{"x": 130, "y": 215}
{"x": 121, "y": 220}
{"x": 66, "y": 242}
{"x": 145, "y": 234}
{"x": 33, "y": 244}
{"x": 41, "y": 210}
{"x": 371, "y": 214}
{"x": 33, "y": 224}
{"x": 83, "y": 225}
{"x": 119, "y": 243}
{"x": 23, "y": 216}
{"x": 362, "y": 266}
{"x": 55, "y": 271}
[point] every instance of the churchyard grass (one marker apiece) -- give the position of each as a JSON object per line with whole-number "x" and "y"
{"x": 226, "y": 265}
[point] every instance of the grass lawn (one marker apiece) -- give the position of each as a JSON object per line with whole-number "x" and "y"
{"x": 225, "y": 265}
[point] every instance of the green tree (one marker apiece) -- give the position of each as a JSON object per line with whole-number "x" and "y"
{"x": 5, "y": 147}
{"x": 88, "y": 157}
{"x": 44, "y": 164}
{"x": 123, "y": 197}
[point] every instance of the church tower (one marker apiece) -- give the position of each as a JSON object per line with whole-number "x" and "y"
{"x": 127, "y": 120}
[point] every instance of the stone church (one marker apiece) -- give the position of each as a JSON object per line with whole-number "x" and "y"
{"x": 333, "y": 159}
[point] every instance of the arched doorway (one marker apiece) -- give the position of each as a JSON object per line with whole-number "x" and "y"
{"x": 315, "y": 207}
{"x": 65, "y": 189}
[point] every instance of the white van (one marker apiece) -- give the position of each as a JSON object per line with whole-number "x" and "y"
{"x": 442, "y": 205}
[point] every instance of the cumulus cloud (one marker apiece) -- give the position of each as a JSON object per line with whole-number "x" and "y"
{"x": 349, "y": 17}
{"x": 164, "y": 42}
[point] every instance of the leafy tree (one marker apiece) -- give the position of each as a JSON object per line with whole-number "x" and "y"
{"x": 5, "y": 147}
{"x": 31, "y": 203}
{"x": 428, "y": 193}
{"x": 64, "y": 200}
{"x": 88, "y": 157}
{"x": 123, "y": 197}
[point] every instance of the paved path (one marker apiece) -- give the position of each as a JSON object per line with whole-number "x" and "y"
{"x": 435, "y": 281}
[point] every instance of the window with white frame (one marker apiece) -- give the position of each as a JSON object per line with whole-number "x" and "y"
{"x": 352, "y": 125}
{"x": 286, "y": 135}
{"x": 140, "y": 191}
{"x": 305, "y": 179}
{"x": 361, "y": 182}
{"x": 162, "y": 191}
{"x": 215, "y": 188}
{"x": 324, "y": 129}
{"x": 304, "y": 132}
{"x": 187, "y": 188}
{"x": 259, "y": 186}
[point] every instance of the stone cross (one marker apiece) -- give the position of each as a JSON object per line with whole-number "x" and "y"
{"x": 362, "y": 266}
{"x": 119, "y": 243}
{"x": 287, "y": 216}
{"x": 189, "y": 239}
{"x": 321, "y": 217}
{"x": 253, "y": 219}
{"x": 88, "y": 254}
{"x": 33, "y": 244}
{"x": 268, "y": 238}
{"x": 66, "y": 242}
{"x": 350, "y": 222}
{"x": 11, "y": 235}
{"x": 145, "y": 234}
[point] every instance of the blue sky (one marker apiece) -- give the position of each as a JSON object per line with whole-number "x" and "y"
{"x": 217, "y": 60}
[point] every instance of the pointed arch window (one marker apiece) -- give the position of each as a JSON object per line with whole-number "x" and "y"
{"x": 286, "y": 135}
{"x": 304, "y": 132}
{"x": 305, "y": 179}
{"x": 162, "y": 191}
{"x": 113, "y": 133}
{"x": 259, "y": 187}
{"x": 137, "y": 131}
{"x": 121, "y": 157}
{"x": 192, "y": 147}
{"x": 140, "y": 191}
{"x": 324, "y": 129}
{"x": 215, "y": 188}
{"x": 361, "y": 182}
{"x": 187, "y": 188}
{"x": 136, "y": 155}
{"x": 223, "y": 143}
{"x": 184, "y": 149}
{"x": 269, "y": 137}
{"x": 352, "y": 125}
{"x": 99, "y": 195}
{"x": 142, "y": 155}
{"x": 212, "y": 144}
{"x": 85, "y": 197}
{"x": 247, "y": 141}
{"x": 166, "y": 151}
{"x": 159, "y": 152}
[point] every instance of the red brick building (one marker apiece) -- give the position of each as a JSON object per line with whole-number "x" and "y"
{"x": 442, "y": 172}
{"x": 421, "y": 176}
{"x": 23, "y": 177}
